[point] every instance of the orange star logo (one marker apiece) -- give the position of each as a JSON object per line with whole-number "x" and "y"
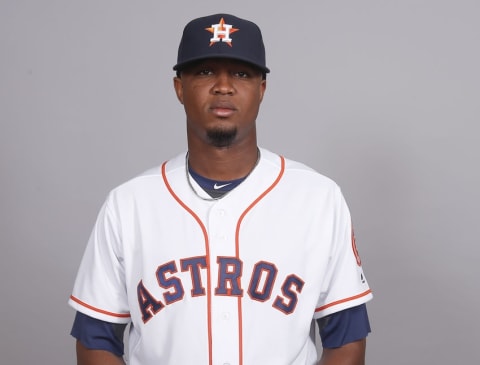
{"x": 221, "y": 32}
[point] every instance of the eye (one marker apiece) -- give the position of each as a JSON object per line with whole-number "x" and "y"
{"x": 242, "y": 74}
{"x": 205, "y": 72}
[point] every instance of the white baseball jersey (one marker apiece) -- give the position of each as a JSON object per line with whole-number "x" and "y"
{"x": 231, "y": 281}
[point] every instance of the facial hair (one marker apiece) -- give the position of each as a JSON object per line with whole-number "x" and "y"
{"x": 221, "y": 137}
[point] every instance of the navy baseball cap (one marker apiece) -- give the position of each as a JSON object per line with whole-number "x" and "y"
{"x": 221, "y": 36}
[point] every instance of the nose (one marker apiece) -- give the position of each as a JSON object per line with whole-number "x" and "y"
{"x": 223, "y": 84}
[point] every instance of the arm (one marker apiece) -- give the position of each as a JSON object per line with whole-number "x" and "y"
{"x": 96, "y": 357}
{"x": 352, "y": 353}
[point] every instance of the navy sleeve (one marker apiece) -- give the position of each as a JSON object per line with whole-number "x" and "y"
{"x": 95, "y": 334}
{"x": 343, "y": 327}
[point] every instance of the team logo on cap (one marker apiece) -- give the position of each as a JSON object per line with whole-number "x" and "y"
{"x": 221, "y": 32}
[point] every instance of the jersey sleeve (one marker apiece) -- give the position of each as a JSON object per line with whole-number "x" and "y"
{"x": 99, "y": 289}
{"x": 96, "y": 334}
{"x": 344, "y": 285}
{"x": 344, "y": 327}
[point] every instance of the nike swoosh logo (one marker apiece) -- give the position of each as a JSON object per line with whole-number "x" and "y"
{"x": 216, "y": 187}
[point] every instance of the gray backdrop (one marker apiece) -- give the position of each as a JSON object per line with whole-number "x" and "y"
{"x": 382, "y": 96}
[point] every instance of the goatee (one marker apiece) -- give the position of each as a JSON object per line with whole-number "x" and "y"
{"x": 221, "y": 137}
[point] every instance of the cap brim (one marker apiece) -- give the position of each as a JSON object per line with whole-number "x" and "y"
{"x": 183, "y": 65}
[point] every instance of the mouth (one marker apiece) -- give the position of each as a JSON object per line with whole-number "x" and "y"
{"x": 222, "y": 109}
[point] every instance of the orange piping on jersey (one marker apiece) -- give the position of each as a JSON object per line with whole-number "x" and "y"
{"x": 118, "y": 315}
{"x": 207, "y": 253}
{"x": 343, "y": 301}
{"x": 237, "y": 253}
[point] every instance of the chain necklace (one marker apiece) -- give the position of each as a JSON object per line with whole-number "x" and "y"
{"x": 219, "y": 197}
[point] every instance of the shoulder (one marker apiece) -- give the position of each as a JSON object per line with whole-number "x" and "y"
{"x": 298, "y": 173}
{"x": 149, "y": 182}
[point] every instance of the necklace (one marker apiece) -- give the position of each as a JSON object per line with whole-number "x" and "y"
{"x": 219, "y": 197}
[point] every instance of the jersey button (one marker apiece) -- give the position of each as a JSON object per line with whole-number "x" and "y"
{"x": 226, "y": 316}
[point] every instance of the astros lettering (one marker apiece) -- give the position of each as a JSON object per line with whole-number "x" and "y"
{"x": 230, "y": 270}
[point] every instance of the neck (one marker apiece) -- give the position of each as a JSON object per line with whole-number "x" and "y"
{"x": 224, "y": 163}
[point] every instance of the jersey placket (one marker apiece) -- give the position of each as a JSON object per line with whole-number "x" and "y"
{"x": 226, "y": 288}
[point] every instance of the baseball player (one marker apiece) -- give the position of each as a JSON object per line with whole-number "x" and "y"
{"x": 228, "y": 252}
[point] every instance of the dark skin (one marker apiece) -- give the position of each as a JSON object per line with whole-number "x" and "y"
{"x": 221, "y": 99}
{"x": 221, "y": 96}
{"x": 96, "y": 357}
{"x": 352, "y": 353}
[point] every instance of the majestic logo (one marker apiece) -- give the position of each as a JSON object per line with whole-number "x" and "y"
{"x": 221, "y": 33}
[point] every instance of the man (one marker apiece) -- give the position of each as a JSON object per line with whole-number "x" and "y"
{"x": 227, "y": 253}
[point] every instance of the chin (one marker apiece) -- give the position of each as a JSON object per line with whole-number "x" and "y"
{"x": 222, "y": 137}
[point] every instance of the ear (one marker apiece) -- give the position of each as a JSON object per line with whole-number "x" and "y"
{"x": 177, "y": 84}
{"x": 263, "y": 88}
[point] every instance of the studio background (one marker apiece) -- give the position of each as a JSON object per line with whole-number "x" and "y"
{"x": 382, "y": 96}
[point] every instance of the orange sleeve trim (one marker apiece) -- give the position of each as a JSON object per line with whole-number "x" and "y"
{"x": 343, "y": 300}
{"x": 118, "y": 315}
